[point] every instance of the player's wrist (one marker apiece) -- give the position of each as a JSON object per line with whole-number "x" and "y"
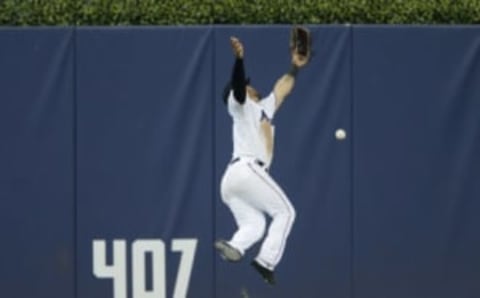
{"x": 293, "y": 71}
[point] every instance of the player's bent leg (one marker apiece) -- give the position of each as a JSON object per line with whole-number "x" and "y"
{"x": 276, "y": 204}
{"x": 250, "y": 222}
{"x": 274, "y": 244}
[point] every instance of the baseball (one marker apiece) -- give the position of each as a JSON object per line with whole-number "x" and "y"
{"x": 340, "y": 134}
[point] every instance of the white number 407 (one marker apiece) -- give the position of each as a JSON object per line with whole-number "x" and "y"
{"x": 117, "y": 271}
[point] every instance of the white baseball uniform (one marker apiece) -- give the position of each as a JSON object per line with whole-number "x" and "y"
{"x": 248, "y": 189}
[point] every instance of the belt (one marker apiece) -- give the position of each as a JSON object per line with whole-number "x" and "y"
{"x": 256, "y": 160}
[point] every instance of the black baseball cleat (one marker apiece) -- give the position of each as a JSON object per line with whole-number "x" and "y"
{"x": 266, "y": 274}
{"x": 228, "y": 252}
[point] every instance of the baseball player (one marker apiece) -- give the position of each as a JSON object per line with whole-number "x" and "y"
{"x": 247, "y": 187}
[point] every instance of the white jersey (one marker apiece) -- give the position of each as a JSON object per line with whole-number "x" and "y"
{"x": 253, "y": 132}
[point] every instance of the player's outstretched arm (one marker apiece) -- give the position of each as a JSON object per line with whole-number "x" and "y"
{"x": 285, "y": 83}
{"x": 238, "y": 80}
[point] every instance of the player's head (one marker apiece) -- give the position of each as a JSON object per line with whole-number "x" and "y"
{"x": 251, "y": 92}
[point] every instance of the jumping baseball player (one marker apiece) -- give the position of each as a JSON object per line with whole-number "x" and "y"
{"x": 247, "y": 187}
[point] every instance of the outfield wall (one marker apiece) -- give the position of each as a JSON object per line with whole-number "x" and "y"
{"x": 113, "y": 142}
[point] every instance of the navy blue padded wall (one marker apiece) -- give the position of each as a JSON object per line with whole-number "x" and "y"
{"x": 145, "y": 146}
{"x": 36, "y": 163}
{"x": 417, "y": 162}
{"x": 152, "y": 139}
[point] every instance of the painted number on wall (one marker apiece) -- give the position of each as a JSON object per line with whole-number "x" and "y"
{"x": 140, "y": 249}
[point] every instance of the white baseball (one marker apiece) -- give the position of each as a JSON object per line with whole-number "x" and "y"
{"x": 340, "y": 134}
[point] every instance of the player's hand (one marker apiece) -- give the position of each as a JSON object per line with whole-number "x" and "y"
{"x": 299, "y": 60}
{"x": 237, "y": 47}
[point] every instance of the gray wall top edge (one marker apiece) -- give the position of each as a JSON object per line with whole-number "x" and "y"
{"x": 245, "y": 26}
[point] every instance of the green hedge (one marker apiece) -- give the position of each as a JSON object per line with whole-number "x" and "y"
{"x": 176, "y": 12}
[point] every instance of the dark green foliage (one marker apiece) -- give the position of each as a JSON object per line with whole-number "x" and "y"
{"x": 186, "y": 12}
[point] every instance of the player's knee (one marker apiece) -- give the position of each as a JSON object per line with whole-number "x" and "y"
{"x": 293, "y": 213}
{"x": 288, "y": 213}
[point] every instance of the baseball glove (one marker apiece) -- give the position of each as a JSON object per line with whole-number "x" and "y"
{"x": 301, "y": 41}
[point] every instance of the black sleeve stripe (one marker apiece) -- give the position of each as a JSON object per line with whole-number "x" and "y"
{"x": 239, "y": 82}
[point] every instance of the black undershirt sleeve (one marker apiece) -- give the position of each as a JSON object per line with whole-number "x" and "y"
{"x": 239, "y": 82}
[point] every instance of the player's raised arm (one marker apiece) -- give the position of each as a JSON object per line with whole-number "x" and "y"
{"x": 285, "y": 83}
{"x": 300, "y": 46}
{"x": 238, "y": 80}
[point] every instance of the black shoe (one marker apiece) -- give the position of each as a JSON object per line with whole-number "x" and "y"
{"x": 266, "y": 274}
{"x": 228, "y": 252}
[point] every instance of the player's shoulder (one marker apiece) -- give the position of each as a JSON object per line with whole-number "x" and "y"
{"x": 268, "y": 103}
{"x": 269, "y": 98}
{"x": 234, "y": 107}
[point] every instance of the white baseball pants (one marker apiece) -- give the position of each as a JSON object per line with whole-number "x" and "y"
{"x": 250, "y": 193}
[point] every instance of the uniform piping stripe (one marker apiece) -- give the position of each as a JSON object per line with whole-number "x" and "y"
{"x": 285, "y": 201}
